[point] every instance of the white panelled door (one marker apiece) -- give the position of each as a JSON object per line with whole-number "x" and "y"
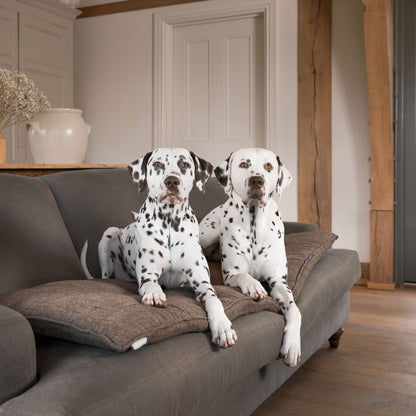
{"x": 218, "y": 93}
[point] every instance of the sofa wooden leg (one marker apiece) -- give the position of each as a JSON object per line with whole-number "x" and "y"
{"x": 334, "y": 340}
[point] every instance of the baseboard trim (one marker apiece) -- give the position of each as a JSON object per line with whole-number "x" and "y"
{"x": 365, "y": 275}
{"x": 381, "y": 286}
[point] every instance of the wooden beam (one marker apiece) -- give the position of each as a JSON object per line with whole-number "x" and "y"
{"x": 127, "y": 6}
{"x": 378, "y": 32}
{"x": 314, "y": 113}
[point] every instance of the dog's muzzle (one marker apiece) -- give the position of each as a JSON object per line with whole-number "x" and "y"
{"x": 256, "y": 188}
{"x": 172, "y": 184}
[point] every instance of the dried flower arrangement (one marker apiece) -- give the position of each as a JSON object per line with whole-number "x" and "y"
{"x": 20, "y": 100}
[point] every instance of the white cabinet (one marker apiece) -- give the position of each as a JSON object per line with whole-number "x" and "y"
{"x": 36, "y": 38}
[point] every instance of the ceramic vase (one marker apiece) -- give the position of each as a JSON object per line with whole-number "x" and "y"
{"x": 58, "y": 135}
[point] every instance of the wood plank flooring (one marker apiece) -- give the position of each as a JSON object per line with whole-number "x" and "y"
{"x": 373, "y": 372}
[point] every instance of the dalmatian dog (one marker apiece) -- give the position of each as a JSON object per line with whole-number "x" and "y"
{"x": 251, "y": 235}
{"x": 161, "y": 248}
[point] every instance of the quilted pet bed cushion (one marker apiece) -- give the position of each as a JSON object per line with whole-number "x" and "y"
{"x": 109, "y": 314}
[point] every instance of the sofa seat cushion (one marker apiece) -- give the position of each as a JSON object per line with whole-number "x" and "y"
{"x": 109, "y": 313}
{"x": 180, "y": 375}
{"x": 176, "y": 376}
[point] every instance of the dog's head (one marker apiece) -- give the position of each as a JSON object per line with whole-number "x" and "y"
{"x": 253, "y": 174}
{"x": 169, "y": 173}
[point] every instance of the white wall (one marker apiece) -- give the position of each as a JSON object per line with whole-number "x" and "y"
{"x": 350, "y": 131}
{"x": 113, "y": 86}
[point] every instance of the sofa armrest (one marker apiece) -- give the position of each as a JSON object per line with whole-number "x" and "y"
{"x": 299, "y": 227}
{"x": 17, "y": 354}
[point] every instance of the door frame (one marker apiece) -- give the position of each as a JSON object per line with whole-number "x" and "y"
{"x": 164, "y": 23}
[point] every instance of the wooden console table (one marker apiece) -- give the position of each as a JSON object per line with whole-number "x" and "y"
{"x": 39, "y": 170}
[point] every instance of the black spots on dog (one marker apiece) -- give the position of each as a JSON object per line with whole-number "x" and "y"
{"x": 129, "y": 253}
{"x": 197, "y": 263}
{"x": 236, "y": 267}
{"x": 140, "y": 254}
{"x": 160, "y": 254}
{"x": 160, "y": 242}
{"x": 144, "y": 281}
{"x": 149, "y": 232}
{"x": 231, "y": 219}
{"x": 175, "y": 223}
{"x": 182, "y": 229}
{"x": 109, "y": 236}
{"x": 182, "y": 255}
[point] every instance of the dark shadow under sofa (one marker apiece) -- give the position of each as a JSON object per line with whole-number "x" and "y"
{"x": 43, "y": 225}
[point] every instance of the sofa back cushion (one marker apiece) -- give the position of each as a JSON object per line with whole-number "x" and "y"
{"x": 92, "y": 200}
{"x": 35, "y": 246}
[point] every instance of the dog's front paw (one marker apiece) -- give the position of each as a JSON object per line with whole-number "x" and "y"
{"x": 290, "y": 349}
{"x": 251, "y": 287}
{"x": 152, "y": 294}
{"x": 222, "y": 333}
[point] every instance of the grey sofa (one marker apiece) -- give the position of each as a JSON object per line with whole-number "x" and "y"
{"x": 43, "y": 225}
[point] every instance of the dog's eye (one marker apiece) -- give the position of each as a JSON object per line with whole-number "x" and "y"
{"x": 185, "y": 165}
{"x": 243, "y": 165}
{"x": 268, "y": 166}
{"x": 158, "y": 165}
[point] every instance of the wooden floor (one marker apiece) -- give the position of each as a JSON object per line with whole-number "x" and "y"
{"x": 373, "y": 372}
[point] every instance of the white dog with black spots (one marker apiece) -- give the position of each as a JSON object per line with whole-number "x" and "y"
{"x": 161, "y": 248}
{"x": 251, "y": 235}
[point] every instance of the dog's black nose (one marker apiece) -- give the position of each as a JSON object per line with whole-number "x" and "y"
{"x": 256, "y": 182}
{"x": 171, "y": 182}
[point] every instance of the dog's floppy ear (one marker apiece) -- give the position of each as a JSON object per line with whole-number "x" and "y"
{"x": 203, "y": 171}
{"x": 138, "y": 171}
{"x": 284, "y": 178}
{"x": 222, "y": 173}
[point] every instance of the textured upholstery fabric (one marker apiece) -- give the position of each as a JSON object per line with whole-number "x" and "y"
{"x": 92, "y": 200}
{"x": 332, "y": 276}
{"x": 17, "y": 354}
{"x": 243, "y": 397}
{"x": 303, "y": 250}
{"x": 177, "y": 376}
{"x": 34, "y": 244}
{"x": 187, "y": 375}
{"x": 109, "y": 313}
